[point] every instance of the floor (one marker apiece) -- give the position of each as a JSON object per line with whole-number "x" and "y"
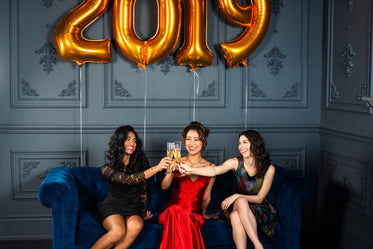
{"x": 47, "y": 244}
{"x": 26, "y": 244}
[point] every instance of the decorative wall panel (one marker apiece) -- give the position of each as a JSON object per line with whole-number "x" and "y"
{"x": 277, "y": 72}
{"x": 347, "y": 179}
{"x": 206, "y": 86}
{"x": 30, "y": 168}
{"x": 349, "y": 55}
{"x": 293, "y": 159}
{"x": 39, "y": 78}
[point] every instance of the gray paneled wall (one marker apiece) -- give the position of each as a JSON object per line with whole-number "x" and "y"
{"x": 54, "y": 113}
{"x": 346, "y": 174}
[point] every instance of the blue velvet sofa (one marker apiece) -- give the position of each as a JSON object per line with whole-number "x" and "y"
{"x": 73, "y": 193}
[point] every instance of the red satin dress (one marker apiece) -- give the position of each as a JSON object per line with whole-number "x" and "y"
{"x": 182, "y": 217}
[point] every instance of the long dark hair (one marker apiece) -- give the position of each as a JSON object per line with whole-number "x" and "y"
{"x": 258, "y": 150}
{"x": 138, "y": 161}
{"x": 202, "y": 131}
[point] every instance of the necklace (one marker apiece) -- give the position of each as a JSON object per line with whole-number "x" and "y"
{"x": 192, "y": 164}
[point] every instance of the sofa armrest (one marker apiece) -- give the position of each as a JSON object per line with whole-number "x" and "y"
{"x": 293, "y": 191}
{"x": 59, "y": 192}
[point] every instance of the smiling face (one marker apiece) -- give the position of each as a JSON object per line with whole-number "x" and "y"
{"x": 130, "y": 143}
{"x": 193, "y": 143}
{"x": 244, "y": 146}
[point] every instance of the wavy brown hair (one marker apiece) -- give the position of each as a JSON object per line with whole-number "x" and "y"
{"x": 258, "y": 150}
{"x": 138, "y": 161}
{"x": 203, "y": 132}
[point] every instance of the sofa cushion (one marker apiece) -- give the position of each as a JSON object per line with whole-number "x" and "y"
{"x": 157, "y": 197}
{"x": 92, "y": 186}
{"x": 88, "y": 229}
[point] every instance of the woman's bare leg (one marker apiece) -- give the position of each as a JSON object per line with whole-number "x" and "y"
{"x": 116, "y": 229}
{"x": 239, "y": 234}
{"x": 134, "y": 225}
{"x": 248, "y": 221}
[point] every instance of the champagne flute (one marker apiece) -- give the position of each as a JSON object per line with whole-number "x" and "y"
{"x": 177, "y": 154}
{"x": 170, "y": 154}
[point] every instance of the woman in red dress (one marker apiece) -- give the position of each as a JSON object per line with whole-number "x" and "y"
{"x": 185, "y": 213}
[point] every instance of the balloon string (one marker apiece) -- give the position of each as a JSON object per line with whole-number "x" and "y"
{"x": 246, "y": 99}
{"x": 81, "y": 114}
{"x": 195, "y": 92}
{"x": 145, "y": 112}
{"x": 145, "y": 96}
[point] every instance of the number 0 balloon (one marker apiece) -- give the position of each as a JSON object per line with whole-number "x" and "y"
{"x": 157, "y": 47}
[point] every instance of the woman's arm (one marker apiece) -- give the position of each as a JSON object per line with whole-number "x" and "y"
{"x": 207, "y": 195}
{"x": 230, "y": 164}
{"x": 116, "y": 176}
{"x": 163, "y": 164}
{"x": 167, "y": 179}
{"x": 258, "y": 198}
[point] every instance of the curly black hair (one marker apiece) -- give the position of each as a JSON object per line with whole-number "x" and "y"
{"x": 203, "y": 132}
{"x": 138, "y": 160}
{"x": 258, "y": 150}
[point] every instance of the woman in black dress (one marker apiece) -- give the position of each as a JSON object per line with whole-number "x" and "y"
{"x": 123, "y": 210}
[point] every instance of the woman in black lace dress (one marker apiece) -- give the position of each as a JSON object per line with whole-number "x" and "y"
{"x": 123, "y": 210}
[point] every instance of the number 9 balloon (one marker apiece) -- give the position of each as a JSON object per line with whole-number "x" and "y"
{"x": 71, "y": 45}
{"x": 255, "y": 18}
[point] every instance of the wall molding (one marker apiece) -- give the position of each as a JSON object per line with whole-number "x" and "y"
{"x": 125, "y": 93}
{"x": 26, "y": 90}
{"x": 154, "y": 129}
{"x": 342, "y": 60}
{"x": 291, "y": 159}
{"x": 295, "y": 93}
{"x": 348, "y": 179}
{"x": 29, "y": 169}
{"x": 346, "y": 135}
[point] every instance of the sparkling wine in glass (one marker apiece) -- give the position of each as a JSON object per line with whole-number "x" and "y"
{"x": 170, "y": 154}
{"x": 177, "y": 154}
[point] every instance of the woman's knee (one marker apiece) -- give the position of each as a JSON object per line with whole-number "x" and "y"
{"x": 134, "y": 226}
{"x": 234, "y": 218}
{"x": 242, "y": 203}
{"x": 117, "y": 233}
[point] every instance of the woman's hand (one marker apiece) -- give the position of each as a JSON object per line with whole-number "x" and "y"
{"x": 174, "y": 166}
{"x": 148, "y": 215}
{"x": 163, "y": 164}
{"x": 228, "y": 201}
{"x": 185, "y": 169}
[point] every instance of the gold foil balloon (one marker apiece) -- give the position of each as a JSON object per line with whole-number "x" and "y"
{"x": 157, "y": 47}
{"x": 71, "y": 45}
{"x": 195, "y": 51}
{"x": 255, "y": 18}
{"x": 167, "y": 35}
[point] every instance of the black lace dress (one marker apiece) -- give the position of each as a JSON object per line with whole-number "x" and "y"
{"x": 128, "y": 194}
